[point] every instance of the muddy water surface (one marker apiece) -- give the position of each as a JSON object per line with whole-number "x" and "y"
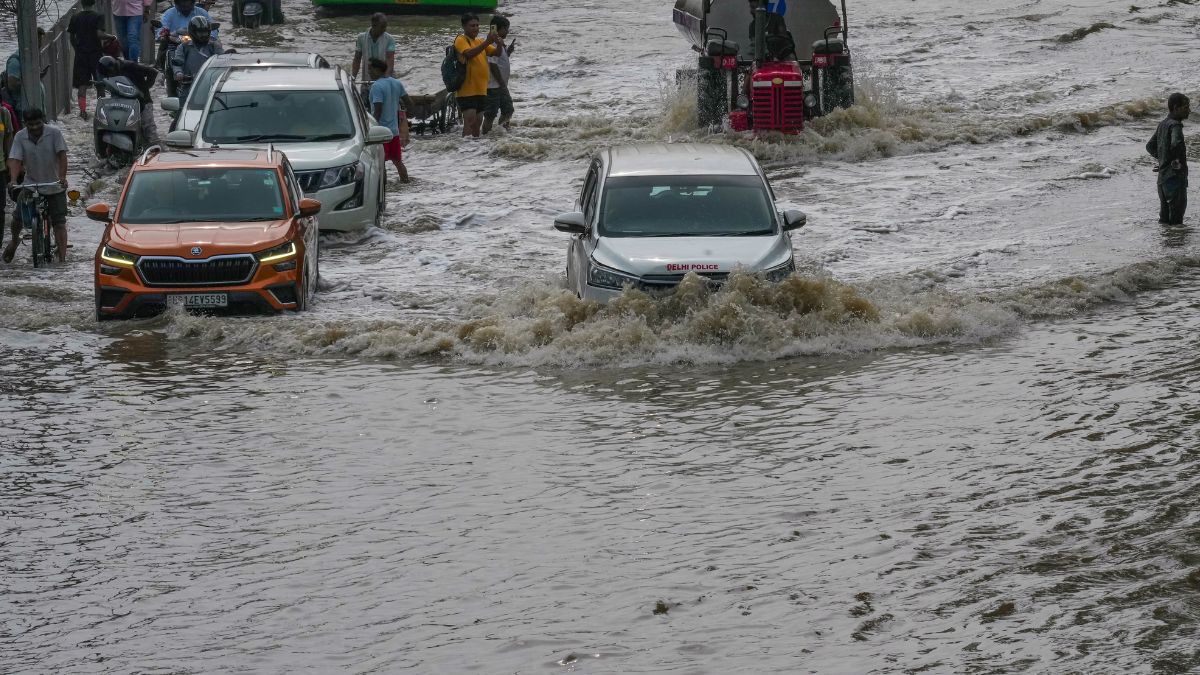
{"x": 962, "y": 440}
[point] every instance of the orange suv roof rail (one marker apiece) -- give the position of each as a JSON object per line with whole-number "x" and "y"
{"x": 152, "y": 150}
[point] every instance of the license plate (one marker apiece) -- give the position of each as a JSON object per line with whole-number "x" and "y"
{"x": 199, "y": 300}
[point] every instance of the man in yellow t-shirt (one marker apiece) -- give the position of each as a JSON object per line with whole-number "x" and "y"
{"x": 473, "y": 51}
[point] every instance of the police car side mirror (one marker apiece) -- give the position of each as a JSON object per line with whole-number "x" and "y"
{"x": 571, "y": 223}
{"x": 170, "y": 104}
{"x": 794, "y": 220}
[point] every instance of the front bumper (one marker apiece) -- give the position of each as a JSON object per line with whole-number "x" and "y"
{"x": 125, "y": 295}
{"x": 345, "y": 220}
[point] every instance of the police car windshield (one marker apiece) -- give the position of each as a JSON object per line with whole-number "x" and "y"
{"x": 686, "y": 206}
{"x": 201, "y": 195}
{"x": 278, "y": 117}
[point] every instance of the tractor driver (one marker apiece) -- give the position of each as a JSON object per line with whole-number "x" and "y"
{"x": 779, "y": 43}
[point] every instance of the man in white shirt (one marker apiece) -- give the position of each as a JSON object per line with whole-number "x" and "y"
{"x": 376, "y": 43}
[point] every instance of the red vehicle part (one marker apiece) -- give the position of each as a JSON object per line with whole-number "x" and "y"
{"x": 739, "y": 120}
{"x": 777, "y": 98}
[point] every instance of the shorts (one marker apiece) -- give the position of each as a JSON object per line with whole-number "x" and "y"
{"x": 393, "y": 151}
{"x": 472, "y": 102}
{"x": 86, "y": 69}
{"x": 56, "y": 208}
{"x": 499, "y": 100}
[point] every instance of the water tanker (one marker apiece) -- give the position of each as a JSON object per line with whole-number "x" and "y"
{"x": 767, "y": 65}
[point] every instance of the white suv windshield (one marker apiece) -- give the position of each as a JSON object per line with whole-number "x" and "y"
{"x": 686, "y": 206}
{"x": 200, "y": 195}
{"x": 278, "y": 117}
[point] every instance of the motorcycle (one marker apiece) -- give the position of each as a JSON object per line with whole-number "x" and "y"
{"x": 117, "y": 124}
{"x": 168, "y": 42}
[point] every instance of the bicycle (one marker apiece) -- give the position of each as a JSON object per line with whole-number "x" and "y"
{"x": 31, "y": 204}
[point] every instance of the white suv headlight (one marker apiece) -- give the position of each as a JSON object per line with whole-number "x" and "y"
{"x": 606, "y": 277}
{"x": 341, "y": 175}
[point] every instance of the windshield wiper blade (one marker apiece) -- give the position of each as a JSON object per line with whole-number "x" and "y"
{"x": 267, "y": 137}
{"x": 327, "y": 137}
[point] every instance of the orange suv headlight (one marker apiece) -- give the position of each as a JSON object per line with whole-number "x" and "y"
{"x": 277, "y": 253}
{"x": 113, "y": 256}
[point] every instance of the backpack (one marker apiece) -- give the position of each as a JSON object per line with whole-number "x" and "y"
{"x": 454, "y": 72}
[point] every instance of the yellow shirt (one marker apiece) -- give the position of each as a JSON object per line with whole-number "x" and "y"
{"x": 477, "y": 68}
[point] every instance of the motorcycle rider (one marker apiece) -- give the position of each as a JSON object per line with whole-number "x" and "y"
{"x": 175, "y": 20}
{"x": 143, "y": 78}
{"x": 189, "y": 57}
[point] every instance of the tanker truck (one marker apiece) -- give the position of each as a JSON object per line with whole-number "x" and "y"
{"x": 793, "y": 65}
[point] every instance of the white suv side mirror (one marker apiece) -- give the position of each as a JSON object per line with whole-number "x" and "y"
{"x": 377, "y": 135}
{"x": 572, "y": 223}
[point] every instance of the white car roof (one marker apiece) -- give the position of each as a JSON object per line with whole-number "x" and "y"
{"x": 669, "y": 159}
{"x": 276, "y": 79}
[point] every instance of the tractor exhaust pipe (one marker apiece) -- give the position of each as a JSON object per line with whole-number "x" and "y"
{"x": 760, "y": 32}
{"x": 845, "y": 25}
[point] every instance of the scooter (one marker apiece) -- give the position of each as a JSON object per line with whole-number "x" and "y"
{"x": 117, "y": 124}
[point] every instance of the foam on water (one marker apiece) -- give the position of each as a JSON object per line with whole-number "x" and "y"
{"x": 542, "y": 323}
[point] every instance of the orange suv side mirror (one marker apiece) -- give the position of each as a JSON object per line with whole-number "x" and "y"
{"x": 308, "y": 207}
{"x": 100, "y": 212}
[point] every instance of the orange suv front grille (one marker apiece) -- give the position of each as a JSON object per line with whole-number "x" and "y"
{"x": 224, "y": 270}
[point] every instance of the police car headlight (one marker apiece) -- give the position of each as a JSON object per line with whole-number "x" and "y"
{"x": 341, "y": 175}
{"x": 780, "y": 272}
{"x": 606, "y": 277}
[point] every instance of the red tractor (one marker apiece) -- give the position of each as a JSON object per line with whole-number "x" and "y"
{"x": 797, "y": 65}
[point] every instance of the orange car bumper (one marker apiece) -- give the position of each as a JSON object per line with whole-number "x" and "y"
{"x": 123, "y": 291}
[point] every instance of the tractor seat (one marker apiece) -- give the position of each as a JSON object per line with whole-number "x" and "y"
{"x": 721, "y": 48}
{"x": 834, "y": 46}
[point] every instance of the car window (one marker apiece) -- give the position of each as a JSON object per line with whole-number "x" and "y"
{"x": 278, "y": 117}
{"x": 293, "y": 191}
{"x": 675, "y": 206}
{"x": 204, "y": 194}
{"x": 203, "y": 85}
{"x": 586, "y": 196}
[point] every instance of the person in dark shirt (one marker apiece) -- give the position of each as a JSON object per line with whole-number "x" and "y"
{"x": 1170, "y": 153}
{"x": 86, "y": 37}
{"x": 779, "y": 43}
{"x": 143, "y": 78}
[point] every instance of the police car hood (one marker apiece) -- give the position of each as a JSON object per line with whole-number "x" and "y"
{"x": 703, "y": 255}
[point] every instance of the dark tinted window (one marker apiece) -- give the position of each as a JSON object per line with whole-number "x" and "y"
{"x": 168, "y": 196}
{"x": 278, "y": 117}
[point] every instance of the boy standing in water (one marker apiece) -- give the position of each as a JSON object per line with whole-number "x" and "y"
{"x": 1168, "y": 149}
{"x": 85, "y": 38}
{"x": 499, "y": 99}
{"x": 386, "y": 95}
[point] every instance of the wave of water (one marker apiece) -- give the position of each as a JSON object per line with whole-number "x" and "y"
{"x": 747, "y": 319}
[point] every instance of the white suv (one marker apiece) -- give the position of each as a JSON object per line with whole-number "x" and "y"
{"x": 312, "y": 115}
{"x": 650, "y": 214}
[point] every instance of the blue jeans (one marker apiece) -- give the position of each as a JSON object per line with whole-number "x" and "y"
{"x": 129, "y": 32}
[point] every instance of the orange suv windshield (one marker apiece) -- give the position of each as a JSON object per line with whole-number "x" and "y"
{"x": 199, "y": 195}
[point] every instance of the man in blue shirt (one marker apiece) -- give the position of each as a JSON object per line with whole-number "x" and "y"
{"x": 175, "y": 20}
{"x": 386, "y": 95}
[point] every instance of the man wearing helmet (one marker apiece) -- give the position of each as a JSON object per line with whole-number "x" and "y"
{"x": 143, "y": 78}
{"x": 189, "y": 57}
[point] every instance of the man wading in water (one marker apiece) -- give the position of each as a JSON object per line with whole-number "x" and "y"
{"x": 1168, "y": 149}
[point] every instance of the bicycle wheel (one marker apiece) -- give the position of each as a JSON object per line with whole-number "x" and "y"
{"x": 48, "y": 245}
{"x": 34, "y": 220}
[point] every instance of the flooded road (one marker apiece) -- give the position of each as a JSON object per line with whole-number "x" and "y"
{"x": 962, "y": 440}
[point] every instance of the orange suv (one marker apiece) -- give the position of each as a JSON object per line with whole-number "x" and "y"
{"x": 208, "y": 229}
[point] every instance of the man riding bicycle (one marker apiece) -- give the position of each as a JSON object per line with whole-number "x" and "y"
{"x": 39, "y": 152}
